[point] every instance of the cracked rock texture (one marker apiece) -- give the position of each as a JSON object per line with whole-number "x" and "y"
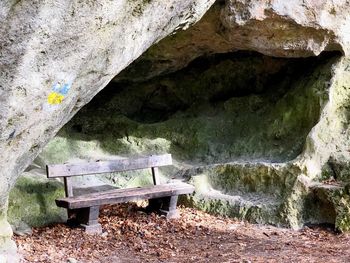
{"x": 279, "y": 28}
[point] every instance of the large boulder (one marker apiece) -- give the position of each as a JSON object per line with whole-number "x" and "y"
{"x": 55, "y": 56}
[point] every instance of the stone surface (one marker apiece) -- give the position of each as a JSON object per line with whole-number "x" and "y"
{"x": 8, "y": 250}
{"x": 279, "y": 28}
{"x": 241, "y": 106}
{"x": 22, "y": 229}
{"x": 283, "y": 29}
{"x": 55, "y": 56}
{"x": 312, "y": 188}
{"x": 32, "y": 200}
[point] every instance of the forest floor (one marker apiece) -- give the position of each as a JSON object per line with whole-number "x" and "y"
{"x": 130, "y": 235}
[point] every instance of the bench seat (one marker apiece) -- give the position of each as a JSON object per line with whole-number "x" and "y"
{"x": 92, "y": 189}
{"x": 125, "y": 195}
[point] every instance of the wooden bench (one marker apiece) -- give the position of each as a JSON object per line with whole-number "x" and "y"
{"x": 83, "y": 204}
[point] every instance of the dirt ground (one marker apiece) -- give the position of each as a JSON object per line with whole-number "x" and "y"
{"x": 130, "y": 235}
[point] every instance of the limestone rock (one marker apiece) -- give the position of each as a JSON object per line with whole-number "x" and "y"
{"x": 239, "y": 106}
{"x": 32, "y": 201}
{"x": 277, "y": 28}
{"x": 22, "y": 229}
{"x": 55, "y": 57}
{"x": 288, "y": 28}
{"x": 72, "y": 260}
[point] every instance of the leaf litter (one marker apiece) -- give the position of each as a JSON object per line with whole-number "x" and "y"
{"x": 130, "y": 235}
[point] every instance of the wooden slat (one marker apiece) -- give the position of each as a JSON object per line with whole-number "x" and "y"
{"x": 125, "y": 195}
{"x": 155, "y": 176}
{"x": 92, "y": 189}
{"x": 63, "y": 170}
{"x": 68, "y": 188}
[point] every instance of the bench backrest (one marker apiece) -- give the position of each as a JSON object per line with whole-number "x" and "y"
{"x": 70, "y": 169}
{"x": 121, "y": 165}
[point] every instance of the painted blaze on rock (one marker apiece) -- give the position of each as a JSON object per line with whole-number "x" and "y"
{"x": 58, "y": 93}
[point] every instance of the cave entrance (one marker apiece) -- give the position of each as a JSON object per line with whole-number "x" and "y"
{"x": 219, "y": 108}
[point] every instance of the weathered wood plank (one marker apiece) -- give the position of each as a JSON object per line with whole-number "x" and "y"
{"x": 63, "y": 170}
{"x": 125, "y": 195}
{"x": 68, "y": 188}
{"x": 155, "y": 176}
{"x": 92, "y": 189}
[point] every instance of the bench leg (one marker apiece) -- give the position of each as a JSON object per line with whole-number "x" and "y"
{"x": 154, "y": 205}
{"x": 88, "y": 219}
{"x": 169, "y": 207}
{"x": 72, "y": 216}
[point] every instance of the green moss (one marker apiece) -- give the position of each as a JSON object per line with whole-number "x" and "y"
{"x": 32, "y": 201}
{"x": 133, "y": 178}
{"x": 240, "y": 209}
{"x": 224, "y": 111}
{"x": 340, "y": 198}
{"x": 254, "y": 177}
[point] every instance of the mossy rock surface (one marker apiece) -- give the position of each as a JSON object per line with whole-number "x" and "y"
{"x": 242, "y": 106}
{"x": 32, "y": 201}
{"x": 337, "y": 198}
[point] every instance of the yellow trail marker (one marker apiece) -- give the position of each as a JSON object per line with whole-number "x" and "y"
{"x": 55, "y": 98}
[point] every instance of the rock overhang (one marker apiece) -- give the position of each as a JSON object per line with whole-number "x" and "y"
{"x": 275, "y": 28}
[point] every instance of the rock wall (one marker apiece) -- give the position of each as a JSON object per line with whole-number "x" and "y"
{"x": 236, "y": 106}
{"x": 277, "y": 28}
{"x": 317, "y": 173}
{"x": 55, "y": 57}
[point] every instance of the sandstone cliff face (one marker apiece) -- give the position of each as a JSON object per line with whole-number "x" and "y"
{"x": 55, "y": 56}
{"x": 288, "y": 28}
{"x": 275, "y": 28}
